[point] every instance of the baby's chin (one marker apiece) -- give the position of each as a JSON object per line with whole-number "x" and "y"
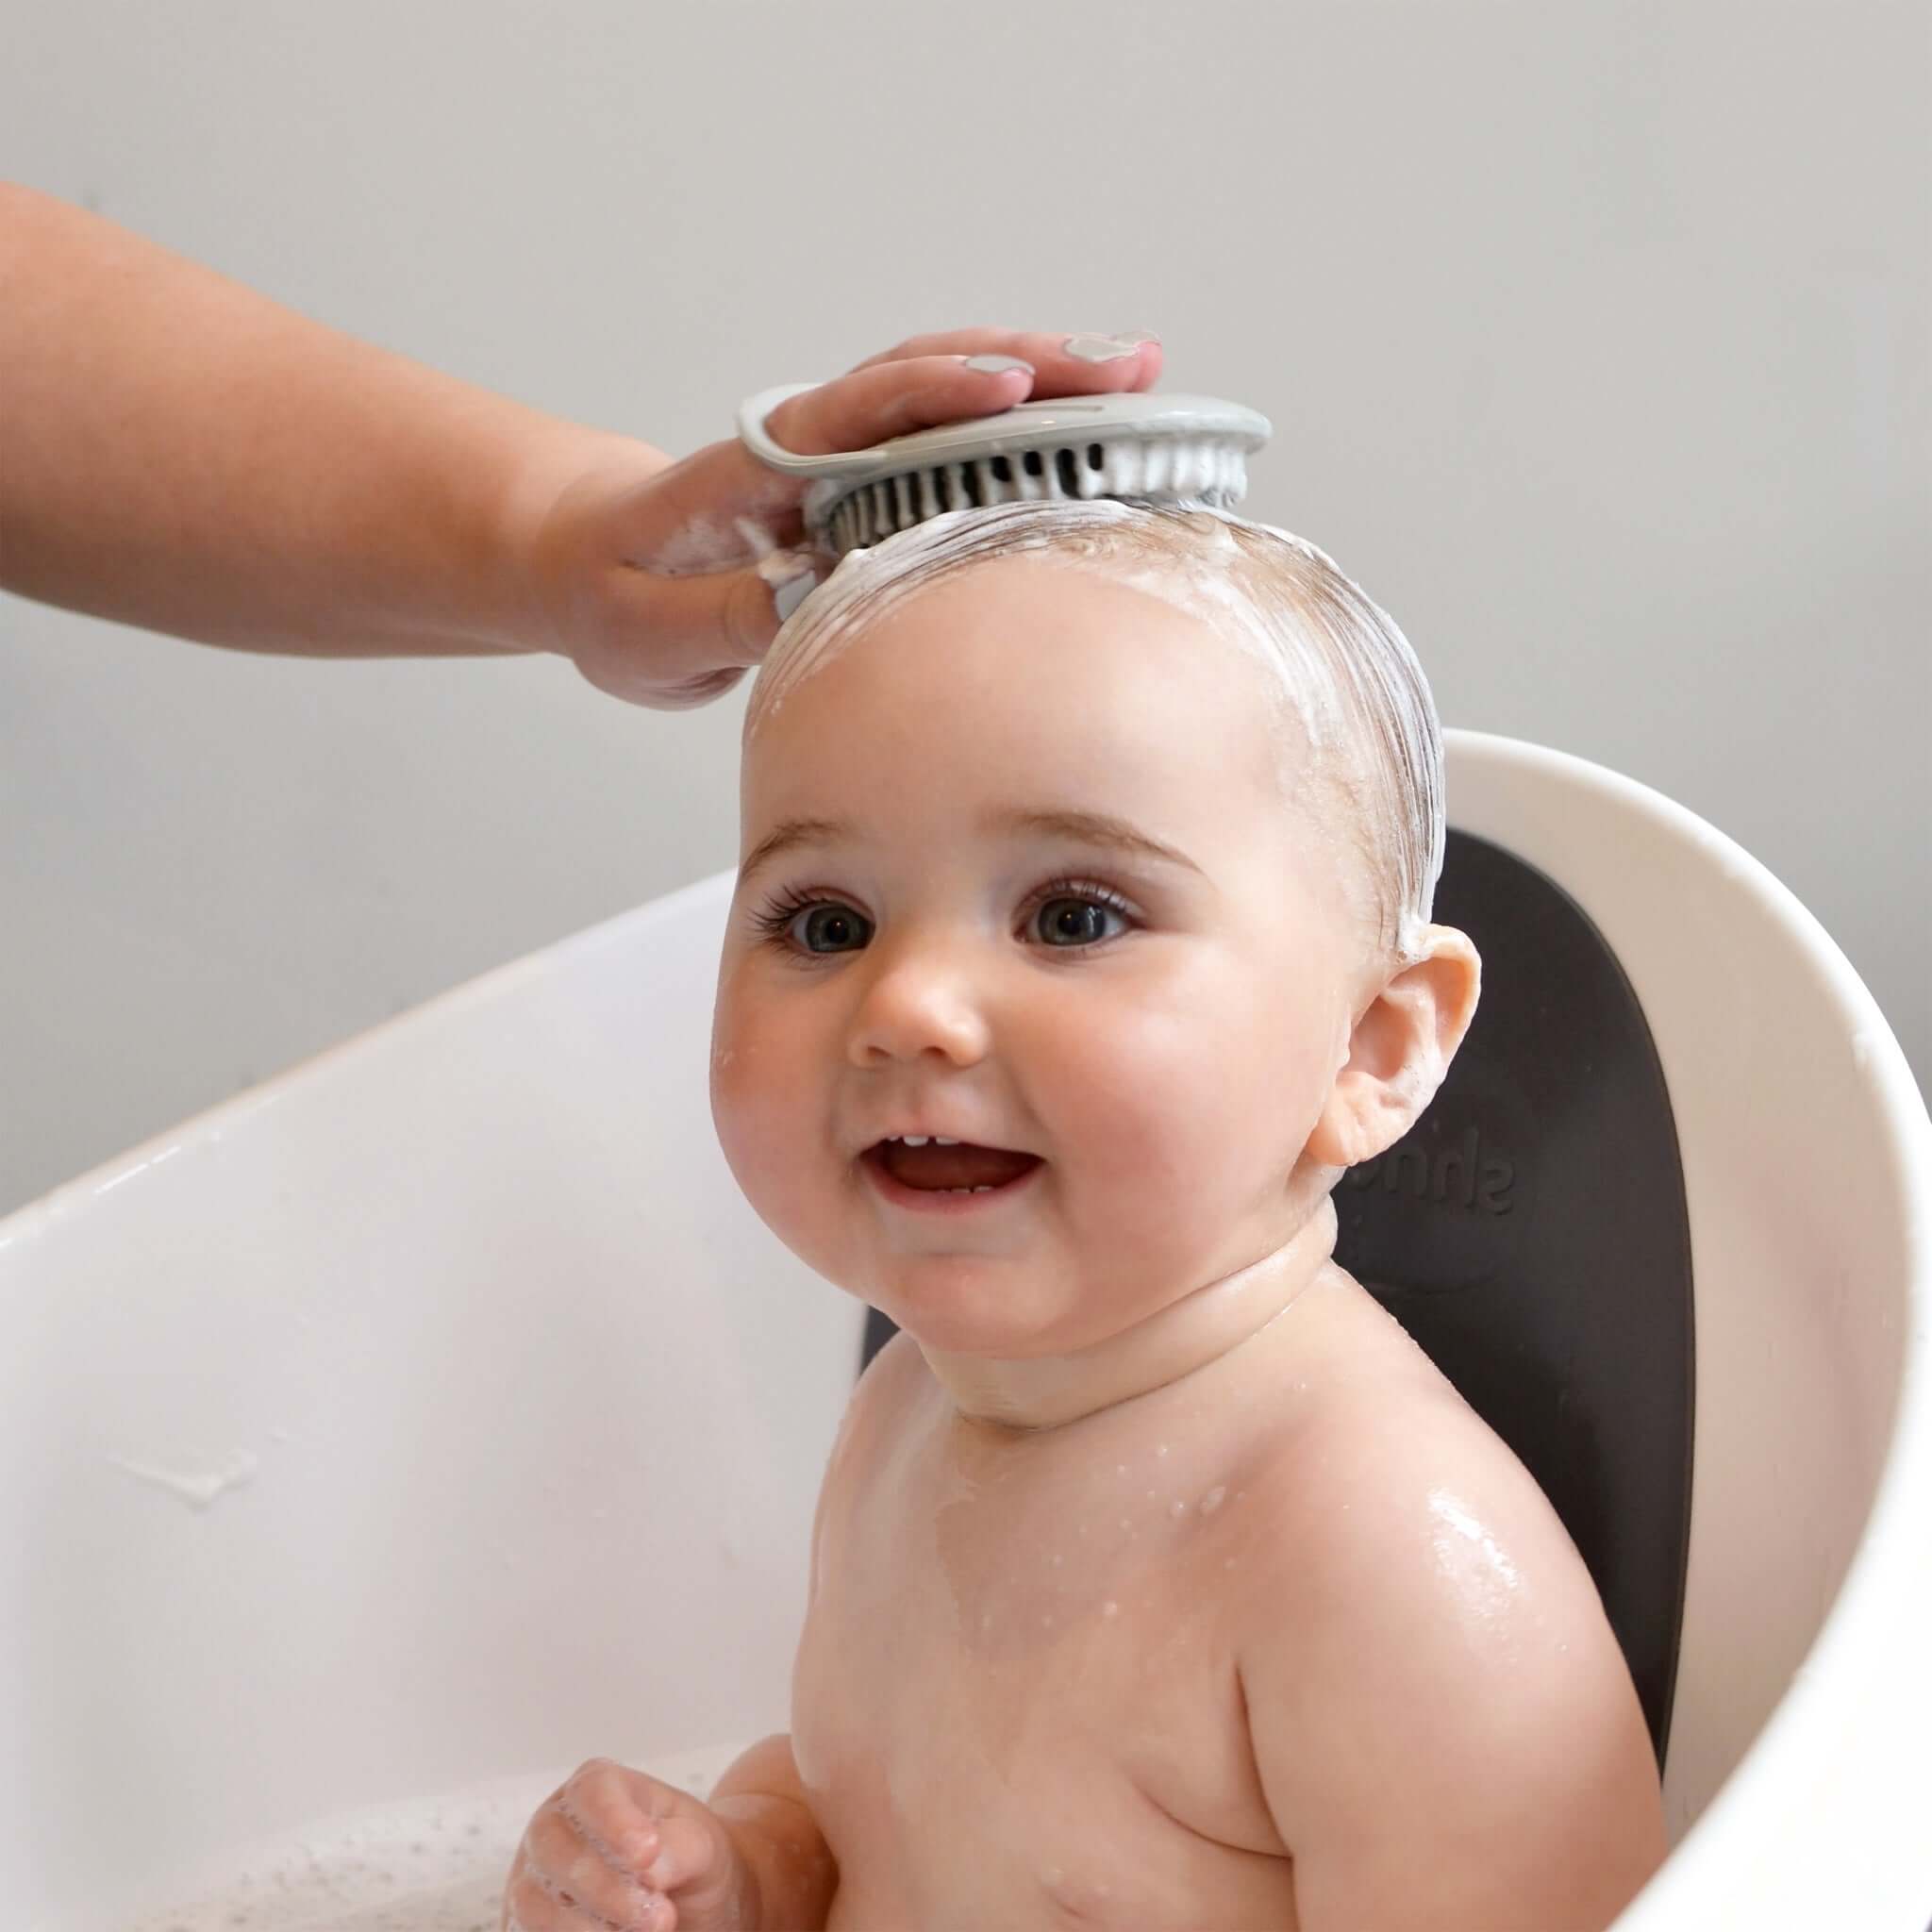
{"x": 964, "y": 1306}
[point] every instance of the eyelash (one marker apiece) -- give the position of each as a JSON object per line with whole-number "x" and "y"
{"x": 774, "y": 920}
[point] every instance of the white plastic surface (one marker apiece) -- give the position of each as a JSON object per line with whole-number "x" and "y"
{"x": 438, "y": 1411}
{"x": 519, "y": 1410}
{"x": 1807, "y": 1163}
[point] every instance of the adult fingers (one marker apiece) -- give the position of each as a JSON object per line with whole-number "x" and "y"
{"x": 1063, "y": 364}
{"x": 720, "y": 503}
{"x": 678, "y": 642}
{"x": 898, "y": 394}
{"x": 738, "y": 497}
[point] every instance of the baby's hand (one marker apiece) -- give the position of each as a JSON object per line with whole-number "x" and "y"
{"x": 612, "y": 1848}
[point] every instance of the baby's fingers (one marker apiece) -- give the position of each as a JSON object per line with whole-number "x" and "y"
{"x": 617, "y": 1809}
{"x": 569, "y": 1882}
{"x": 533, "y": 1908}
{"x": 686, "y": 1855}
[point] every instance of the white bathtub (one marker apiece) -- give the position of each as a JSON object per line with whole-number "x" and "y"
{"x": 438, "y": 1412}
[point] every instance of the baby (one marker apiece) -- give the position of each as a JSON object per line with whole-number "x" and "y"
{"x": 1081, "y": 943}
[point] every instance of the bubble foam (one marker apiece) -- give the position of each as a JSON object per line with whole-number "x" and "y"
{"x": 434, "y": 1864}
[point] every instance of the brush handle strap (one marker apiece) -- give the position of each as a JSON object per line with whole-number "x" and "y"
{"x": 752, "y": 432}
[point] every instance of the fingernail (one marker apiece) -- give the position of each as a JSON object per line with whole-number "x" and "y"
{"x": 792, "y": 578}
{"x": 1136, "y": 335}
{"x": 1098, "y": 348}
{"x": 997, "y": 365}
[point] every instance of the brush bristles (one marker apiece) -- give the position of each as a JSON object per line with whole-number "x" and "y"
{"x": 1172, "y": 468}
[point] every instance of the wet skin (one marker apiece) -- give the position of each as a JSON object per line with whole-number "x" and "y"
{"x": 1158, "y": 1579}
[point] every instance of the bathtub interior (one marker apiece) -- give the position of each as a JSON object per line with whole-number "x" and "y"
{"x": 438, "y": 1411}
{"x": 1794, "y": 1786}
{"x": 434, "y": 1414}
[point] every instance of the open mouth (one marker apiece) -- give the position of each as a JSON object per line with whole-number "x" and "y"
{"x": 952, "y": 1175}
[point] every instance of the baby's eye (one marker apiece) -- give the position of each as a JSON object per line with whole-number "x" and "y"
{"x": 1077, "y": 916}
{"x": 822, "y": 926}
{"x": 831, "y": 930}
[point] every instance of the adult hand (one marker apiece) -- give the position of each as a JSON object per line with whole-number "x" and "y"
{"x": 664, "y": 585}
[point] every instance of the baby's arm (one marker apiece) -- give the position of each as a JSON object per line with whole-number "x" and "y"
{"x": 615, "y": 1848}
{"x": 765, "y": 1809}
{"x": 1445, "y": 1726}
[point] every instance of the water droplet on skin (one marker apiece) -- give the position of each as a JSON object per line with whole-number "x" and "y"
{"x": 1161, "y": 1450}
{"x": 1177, "y": 1508}
{"x": 1214, "y": 1500}
{"x": 1120, "y": 1469}
{"x": 1109, "y": 1608}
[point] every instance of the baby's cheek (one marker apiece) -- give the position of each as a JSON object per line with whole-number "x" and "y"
{"x": 772, "y": 1131}
{"x": 748, "y": 1095}
{"x": 1213, "y": 1120}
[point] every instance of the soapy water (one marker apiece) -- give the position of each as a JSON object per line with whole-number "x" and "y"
{"x": 425, "y": 1865}
{"x": 1345, "y": 695}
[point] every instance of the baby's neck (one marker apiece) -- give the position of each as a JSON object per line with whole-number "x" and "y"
{"x": 1046, "y": 1392}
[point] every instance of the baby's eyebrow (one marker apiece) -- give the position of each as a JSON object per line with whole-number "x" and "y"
{"x": 1087, "y": 828}
{"x": 1084, "y": 827}
{"x": 788, "y": 833}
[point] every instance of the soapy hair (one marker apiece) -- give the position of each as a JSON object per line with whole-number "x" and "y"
{"x": 1345, "y": 672}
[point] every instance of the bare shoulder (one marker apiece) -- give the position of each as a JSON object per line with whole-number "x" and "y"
{"x": 896, "y": 1385}
{"x": 1386, "y": 1483}
{"x": 1428, "y": 1671}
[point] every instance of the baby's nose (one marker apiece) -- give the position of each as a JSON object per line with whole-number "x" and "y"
{"x": 921, "y": 1000}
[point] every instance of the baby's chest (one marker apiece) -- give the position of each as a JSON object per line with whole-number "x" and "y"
{"x": 1014, "y": 1718}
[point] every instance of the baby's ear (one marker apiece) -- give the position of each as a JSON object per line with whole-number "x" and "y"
{"x": 1399, "y": 1051}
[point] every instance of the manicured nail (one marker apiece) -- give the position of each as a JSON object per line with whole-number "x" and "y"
{"x": 1098, "y": 348}
{"x": 1136, "y": 335}
{"x": 792, "y": 578}
{"x": 997, "y": 365}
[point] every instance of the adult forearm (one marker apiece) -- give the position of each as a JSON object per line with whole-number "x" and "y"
{"x": 179, "y": 451}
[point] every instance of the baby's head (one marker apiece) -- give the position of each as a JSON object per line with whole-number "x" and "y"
{"x": 1102, "y": 833}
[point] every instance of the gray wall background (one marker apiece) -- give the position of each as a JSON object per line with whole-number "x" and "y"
{"x": 1594, "y": 336}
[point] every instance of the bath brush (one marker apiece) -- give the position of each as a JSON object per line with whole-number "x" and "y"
{"x": 1150, "y": 448}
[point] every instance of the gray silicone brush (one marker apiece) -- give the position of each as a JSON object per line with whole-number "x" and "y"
{"x": 1148, "y": 448}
